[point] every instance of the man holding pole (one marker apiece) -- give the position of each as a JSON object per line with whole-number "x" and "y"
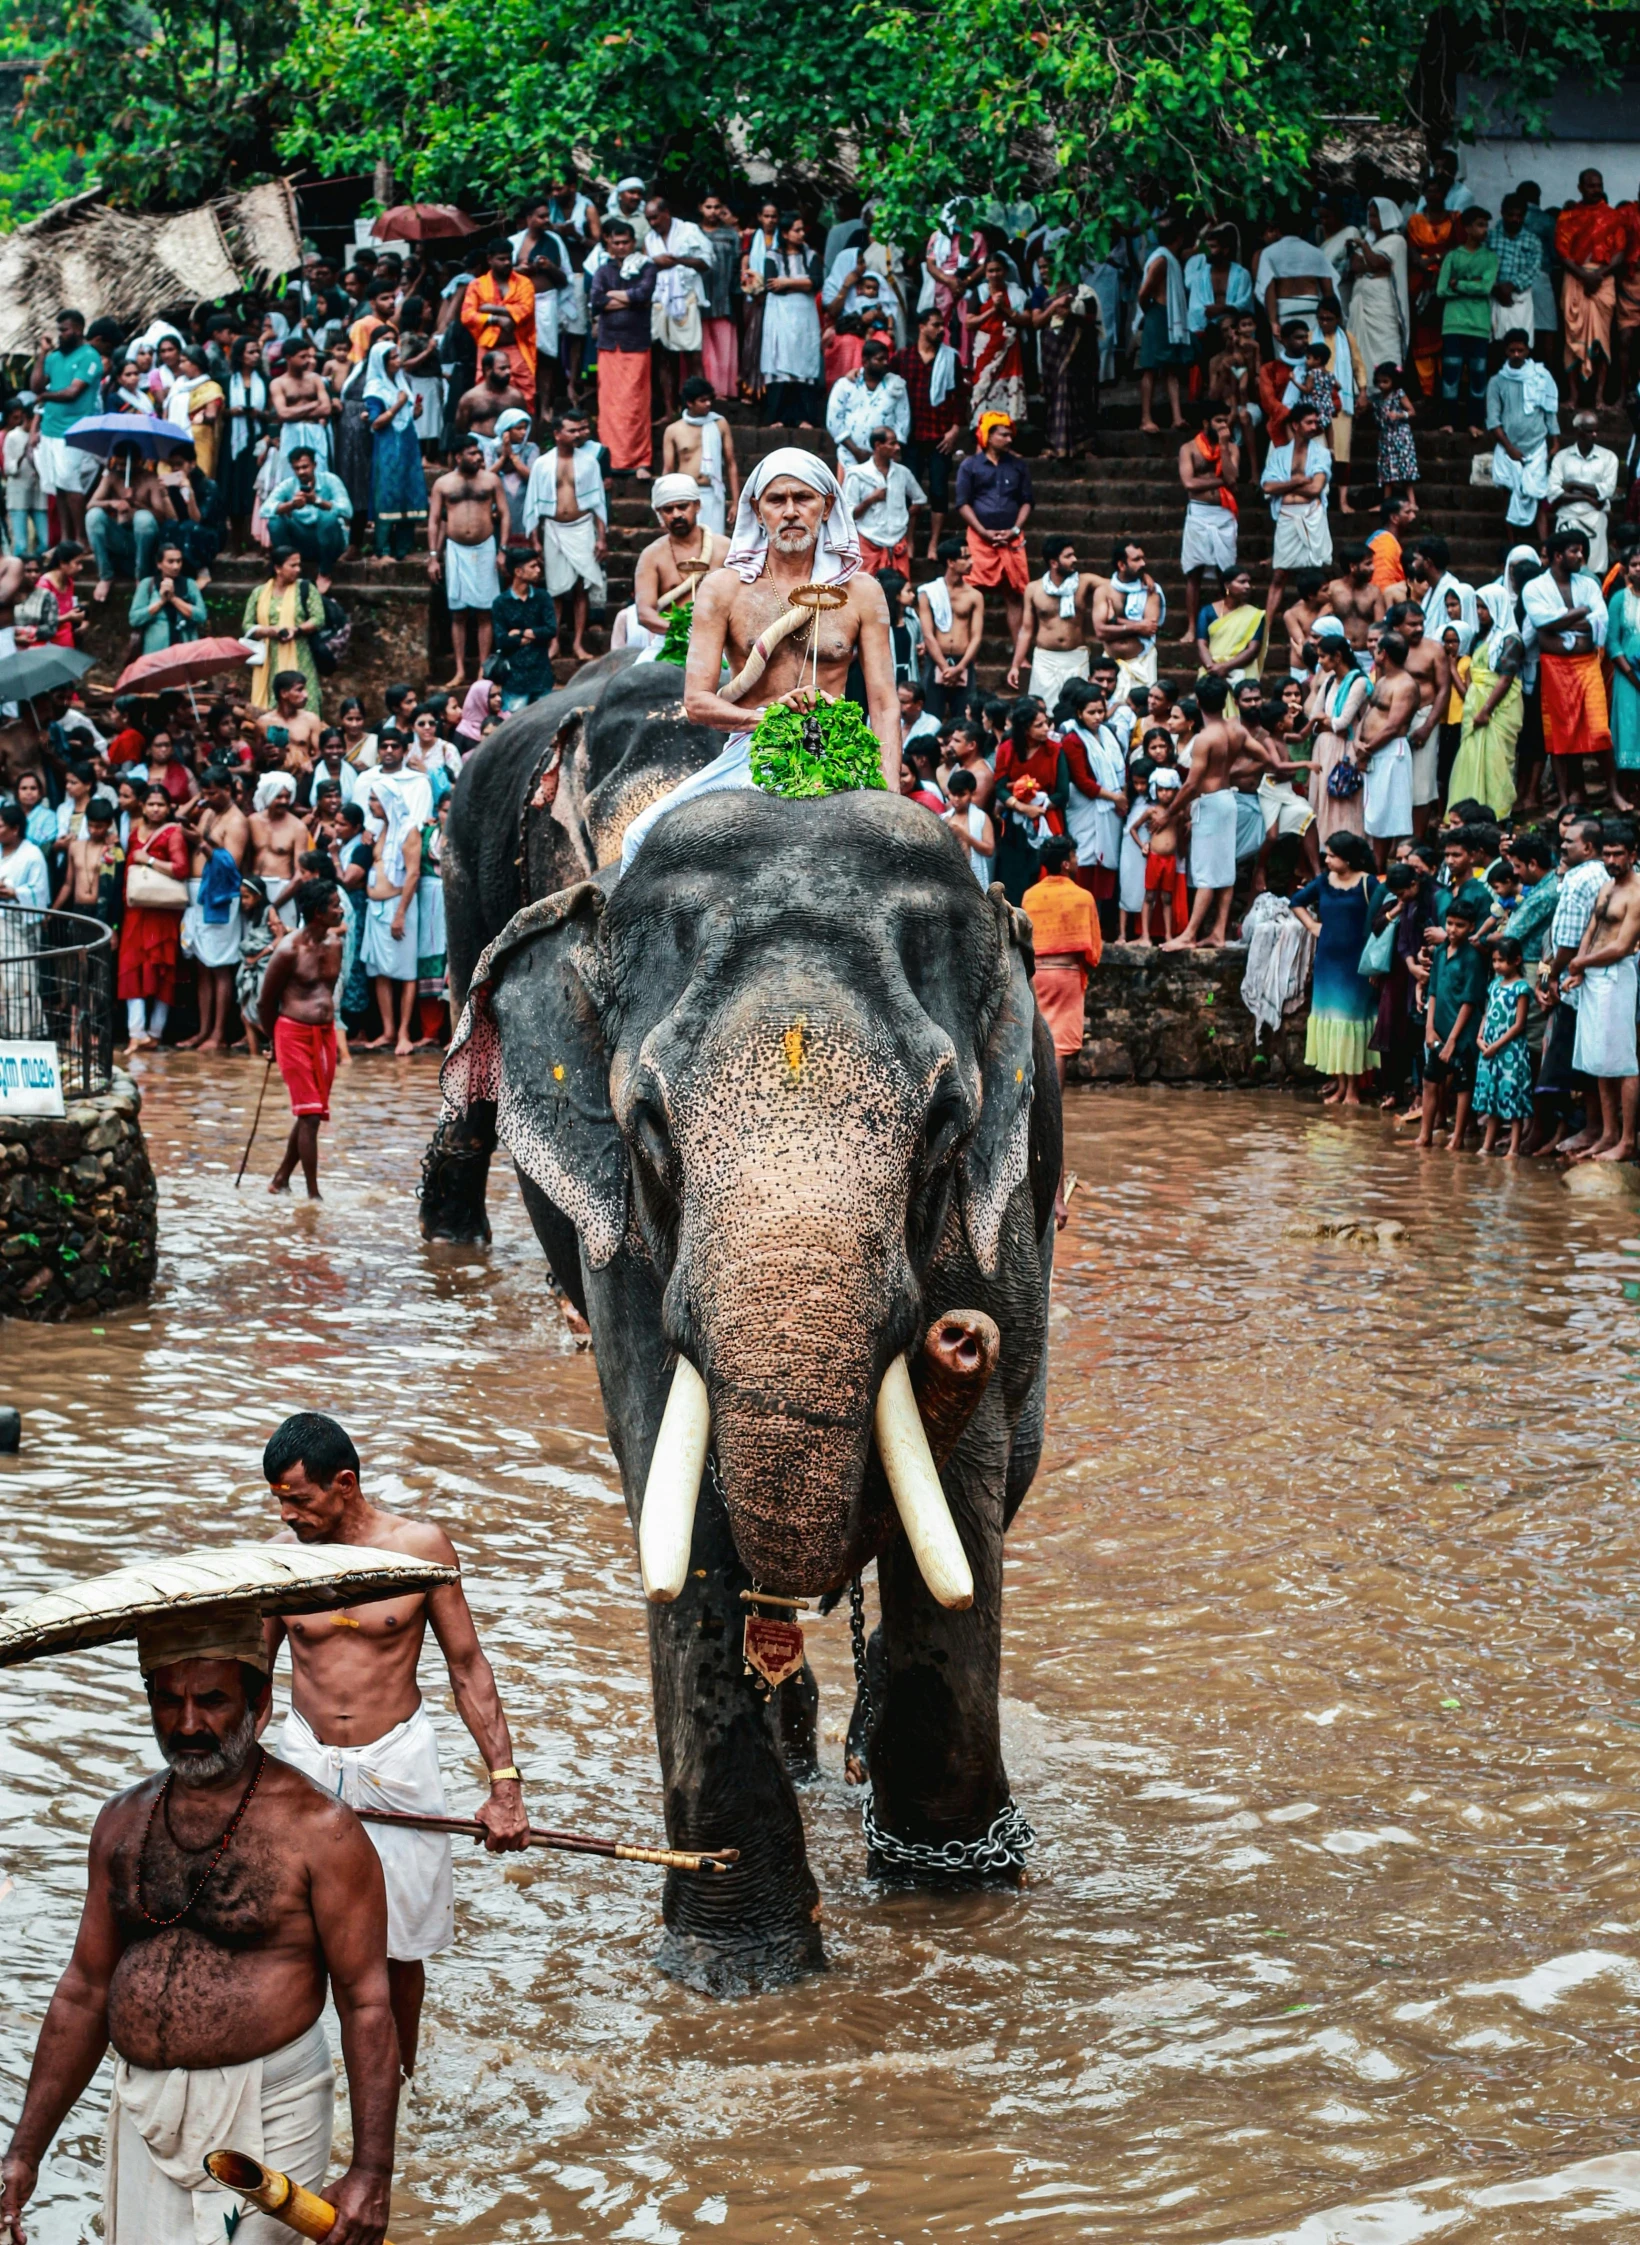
{"x": 298, "y": 1017}
{"x": 357, "y": 1725}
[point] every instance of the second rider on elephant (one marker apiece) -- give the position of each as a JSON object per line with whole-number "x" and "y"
{"x": 793, "y": 529}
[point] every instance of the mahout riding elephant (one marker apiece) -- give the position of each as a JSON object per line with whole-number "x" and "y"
{"x": 787, "y": 1124}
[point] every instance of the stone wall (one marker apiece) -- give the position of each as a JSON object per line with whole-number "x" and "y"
{"x": 78, "y": 1210}
{"x": 1176, "y": 1017}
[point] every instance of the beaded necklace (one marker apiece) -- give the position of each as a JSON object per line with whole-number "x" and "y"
{"x": 160, "y": 1800}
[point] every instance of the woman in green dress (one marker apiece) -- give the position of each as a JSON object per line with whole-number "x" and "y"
{"x": 1623, "y": 647}
{"x": 1494, "y": 708}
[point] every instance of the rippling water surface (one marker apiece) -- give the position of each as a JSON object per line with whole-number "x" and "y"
{"x": 1316, "y": 1684}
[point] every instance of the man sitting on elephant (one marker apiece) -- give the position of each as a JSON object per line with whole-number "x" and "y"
{"x": 792, "y": 529}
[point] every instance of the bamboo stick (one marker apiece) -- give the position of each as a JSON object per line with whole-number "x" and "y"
{"x": 274, "y": 2193}
{"x": 567, "y": 1843}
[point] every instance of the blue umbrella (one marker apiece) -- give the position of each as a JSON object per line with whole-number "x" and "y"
{"x": 100, "y": 432}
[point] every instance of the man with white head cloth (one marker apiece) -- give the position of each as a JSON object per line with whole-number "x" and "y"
{"x": 793, "y": 532}
{"x": 671, "y": 566}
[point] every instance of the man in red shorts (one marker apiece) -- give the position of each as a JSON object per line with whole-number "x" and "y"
{"x": 298, "y": 1009}
{"x": 994, "y": 499}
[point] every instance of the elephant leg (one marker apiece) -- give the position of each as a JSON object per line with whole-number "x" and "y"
{"x": 559, "y": 1243}
{"x": 935, "y": 1754}
{"x": 857, "y": 1747}
{"x": 727, "y": 1785}
{"x": 455, "y": 1174}
{"x": 797, "y": 1710}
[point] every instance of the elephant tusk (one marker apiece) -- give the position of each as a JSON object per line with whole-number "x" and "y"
{"x": 666, "y": 1526}
{"x": 914, "y": 1484}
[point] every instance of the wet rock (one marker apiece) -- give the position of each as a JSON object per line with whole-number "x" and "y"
{"x": 78, "y": 1209}
{"x": 1355, "y": 1231}
{"x": 1602, "y": 1180}
{"x": 1177, "y": 1017}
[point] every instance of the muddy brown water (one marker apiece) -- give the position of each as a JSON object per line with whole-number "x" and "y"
{"x": 1319, "y": 1643}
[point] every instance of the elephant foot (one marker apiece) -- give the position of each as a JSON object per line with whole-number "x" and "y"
{"x": 750, "y": 1964}
{"x": 797, "y": 1712}
{"x": 455, "y": 1173}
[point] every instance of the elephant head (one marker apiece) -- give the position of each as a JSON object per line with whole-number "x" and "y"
{"x": 788, "y": 1058}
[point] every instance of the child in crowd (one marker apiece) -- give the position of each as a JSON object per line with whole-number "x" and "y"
{"x": 1457, "y": 981}
{"x": 1159, "y": 831}
{"x": 1392, "y": 411}
{"x": 1503, "y": 1073}
{"x": 1318, "y": 388}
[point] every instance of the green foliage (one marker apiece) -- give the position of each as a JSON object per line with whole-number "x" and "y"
{"x": 166, "y": 101}
{"x": 830, "y": 751}
{"x": 674, "y": 648}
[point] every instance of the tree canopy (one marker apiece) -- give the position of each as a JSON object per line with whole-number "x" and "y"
{"x": 1093, "y": 111}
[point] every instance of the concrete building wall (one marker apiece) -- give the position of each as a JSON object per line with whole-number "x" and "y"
{"x": 1586, "y": 128}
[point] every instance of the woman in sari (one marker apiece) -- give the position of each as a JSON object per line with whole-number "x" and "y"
{"x": 1623, "y": 649}
{"x": 1337, "y": 699}
{"x": 763, "y": 246}
{"x": 151, "y": 934}
{"x": 993, "y": 312}
{"x": 196, "y": 403}
{"x": 1494, "y": 708}
{"x": 283, "y": 615}
{"x": 1067, "y": 340}
{"x": 398, "y": 481}
{"x": 249, "y": 419}
{"x": 791, "y": 356}
{"x": 1380, "y": 311}
{"x": 1033, "y": 790}
{"x": 1230, "y": 633}
{"x": 1431, "y": 232}
{"x": 352, "y": 442}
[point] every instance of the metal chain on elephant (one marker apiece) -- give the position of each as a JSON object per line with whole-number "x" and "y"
{"x": 857, "y": 1640}
{"x": 1001, "y": 1848}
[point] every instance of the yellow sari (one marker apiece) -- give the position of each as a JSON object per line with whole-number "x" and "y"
{"x": 1230, "y": 635}
{"x": 260, "y": 610}
{"x": 207, "y": 435}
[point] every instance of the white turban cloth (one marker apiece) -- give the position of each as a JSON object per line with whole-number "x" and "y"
{"x": 837, "y": 555}
{"x": 674, "y": 491}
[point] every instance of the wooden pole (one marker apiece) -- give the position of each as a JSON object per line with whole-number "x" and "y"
{"x": 566, "y": 1843}
{"x": 255, "y": 1120}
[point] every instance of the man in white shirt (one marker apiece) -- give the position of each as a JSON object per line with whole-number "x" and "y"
{"x": 881, "y": 493}
{"x": 1296, "y": 476}
{"x": 566, "y": 520}
{"x": 870, "y": 398}
{"x": 1565, "y": 619}
{"x": 682, "y": 258}
{"x": 1582, "y": 482}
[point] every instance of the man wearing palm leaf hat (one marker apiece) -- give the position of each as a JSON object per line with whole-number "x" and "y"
{"x": 793, "y": 531}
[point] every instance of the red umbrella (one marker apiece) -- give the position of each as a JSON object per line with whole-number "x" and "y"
{"x": 422, "y": 222}
{"x": 194, "y": 659}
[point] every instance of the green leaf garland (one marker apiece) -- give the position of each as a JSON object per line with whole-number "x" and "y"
{"x": 674, "y": 648}
{"x": 830, "y": 750}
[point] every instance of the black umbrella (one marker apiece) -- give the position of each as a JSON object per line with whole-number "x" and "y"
{"x": 36, "y": 670}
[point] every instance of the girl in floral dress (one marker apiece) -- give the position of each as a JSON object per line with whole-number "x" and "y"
{"x": 1392, "y": 411}
{"x": 1503, "y": 1074}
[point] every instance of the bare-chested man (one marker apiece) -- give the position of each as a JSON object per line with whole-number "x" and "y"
{"x": 1353, "y": 598}
{"x": 1128, "y": 611}
{"x": 213, "y": 822}
{"x": 222, "y": 1900}
{"x": 466, "y": 515}
{"x": 1209, "y": 463}
{"x": 699, "y": 445}
{"x": 1210, "y": 795}
{"x": 800, "y": 532}
{"x": 278, "y": 838}
{"x": 357, "y": 1724}
{"x": 1383, "y": 746}
{"x": 1429, "y": 664}
{"x": 298, "y": 1015}
{"x": 123, "y": 515}
{"x": 951, "y": 612}
{"x": 671, "y": 566}
{"x": 302, "y": 404}
{"x": 1603, "y": 974}
{"x": 1051, "y": 628}
{"x": 290, "y": 728}
{"x": 566, "y": 519}
{"x": 493, "y": 394}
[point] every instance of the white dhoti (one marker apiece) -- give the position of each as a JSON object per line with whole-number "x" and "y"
{"x": 1526, "y": 481}
{"x": 1140, "y": 672}
{"x": 398, "y": 1770}
{"x": 1283, "y": 812}
{"x": 713, "y": 502}
{"x": 381, "y": 951}
{"x": 569, "y": 557}
{"x": 731, "y": 767}
{"x": 1209, "y": 540}
{"x": 679, "y": 331}
{"x": 1050, "y": 667}
{"x": 1213, "y": 840}
{"x": 211, "y": 944}
{"x": 1578, "y": 514}
{"x": 310, "y": 436}
{"x": 1249, "y": 826}
{"x": 1426, "y": 769}
{"x": 470, "y": 579}
{"x": 1130, "y": 874}
{"x": 1386, "y": 799}
{"x": 1303, "y": 540}
{"x": 1605, "y": 1044}
{"x": 161, "y": 2123}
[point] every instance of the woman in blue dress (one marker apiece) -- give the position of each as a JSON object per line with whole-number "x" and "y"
{"x": 398, "y": 481}
{"x": 1337, "y": 910}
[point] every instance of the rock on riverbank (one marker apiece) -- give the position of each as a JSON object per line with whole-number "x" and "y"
{"x": 79, "y": 1219}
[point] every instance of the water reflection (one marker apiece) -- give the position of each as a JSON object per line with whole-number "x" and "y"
{"x": 1316, "y": 1683}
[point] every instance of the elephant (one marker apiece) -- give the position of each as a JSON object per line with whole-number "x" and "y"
{"x": 786, "y": 1121}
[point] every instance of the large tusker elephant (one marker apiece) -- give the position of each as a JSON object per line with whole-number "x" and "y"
{"x": 785, "y": 1117}
{"x": 545, "y": 804}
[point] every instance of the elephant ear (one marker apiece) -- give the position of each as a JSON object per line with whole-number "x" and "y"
{"x": 531, "y": 1041}
{"x": 995, "y": 1160}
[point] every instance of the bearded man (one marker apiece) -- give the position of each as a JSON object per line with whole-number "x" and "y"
{"x": 792, "y": 530}
{"x": 671, "y": 566}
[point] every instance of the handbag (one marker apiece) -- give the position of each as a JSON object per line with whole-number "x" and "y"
{"x": 1345, "y": 781}
{"x": 1378, "y": 952}
{"x": 152, "y": 890}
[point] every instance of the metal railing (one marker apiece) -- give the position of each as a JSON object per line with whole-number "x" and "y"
{"x": 57, "y": 987}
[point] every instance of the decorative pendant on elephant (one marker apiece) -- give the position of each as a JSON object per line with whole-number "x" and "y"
{"x": 774, "y": 1641}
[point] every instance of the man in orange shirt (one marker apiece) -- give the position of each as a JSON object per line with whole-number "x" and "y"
{"x": 383, "y": 307}
{"x": 1400, "y": 513}
{"x": 1277, "y": 375}
{"x": 1591, "y": 241}
{"x": 498, "y": 312}
{"x": 1065, "y": 934}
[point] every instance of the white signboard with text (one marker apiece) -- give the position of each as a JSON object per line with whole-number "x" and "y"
{"x": 31, "y": 1080}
